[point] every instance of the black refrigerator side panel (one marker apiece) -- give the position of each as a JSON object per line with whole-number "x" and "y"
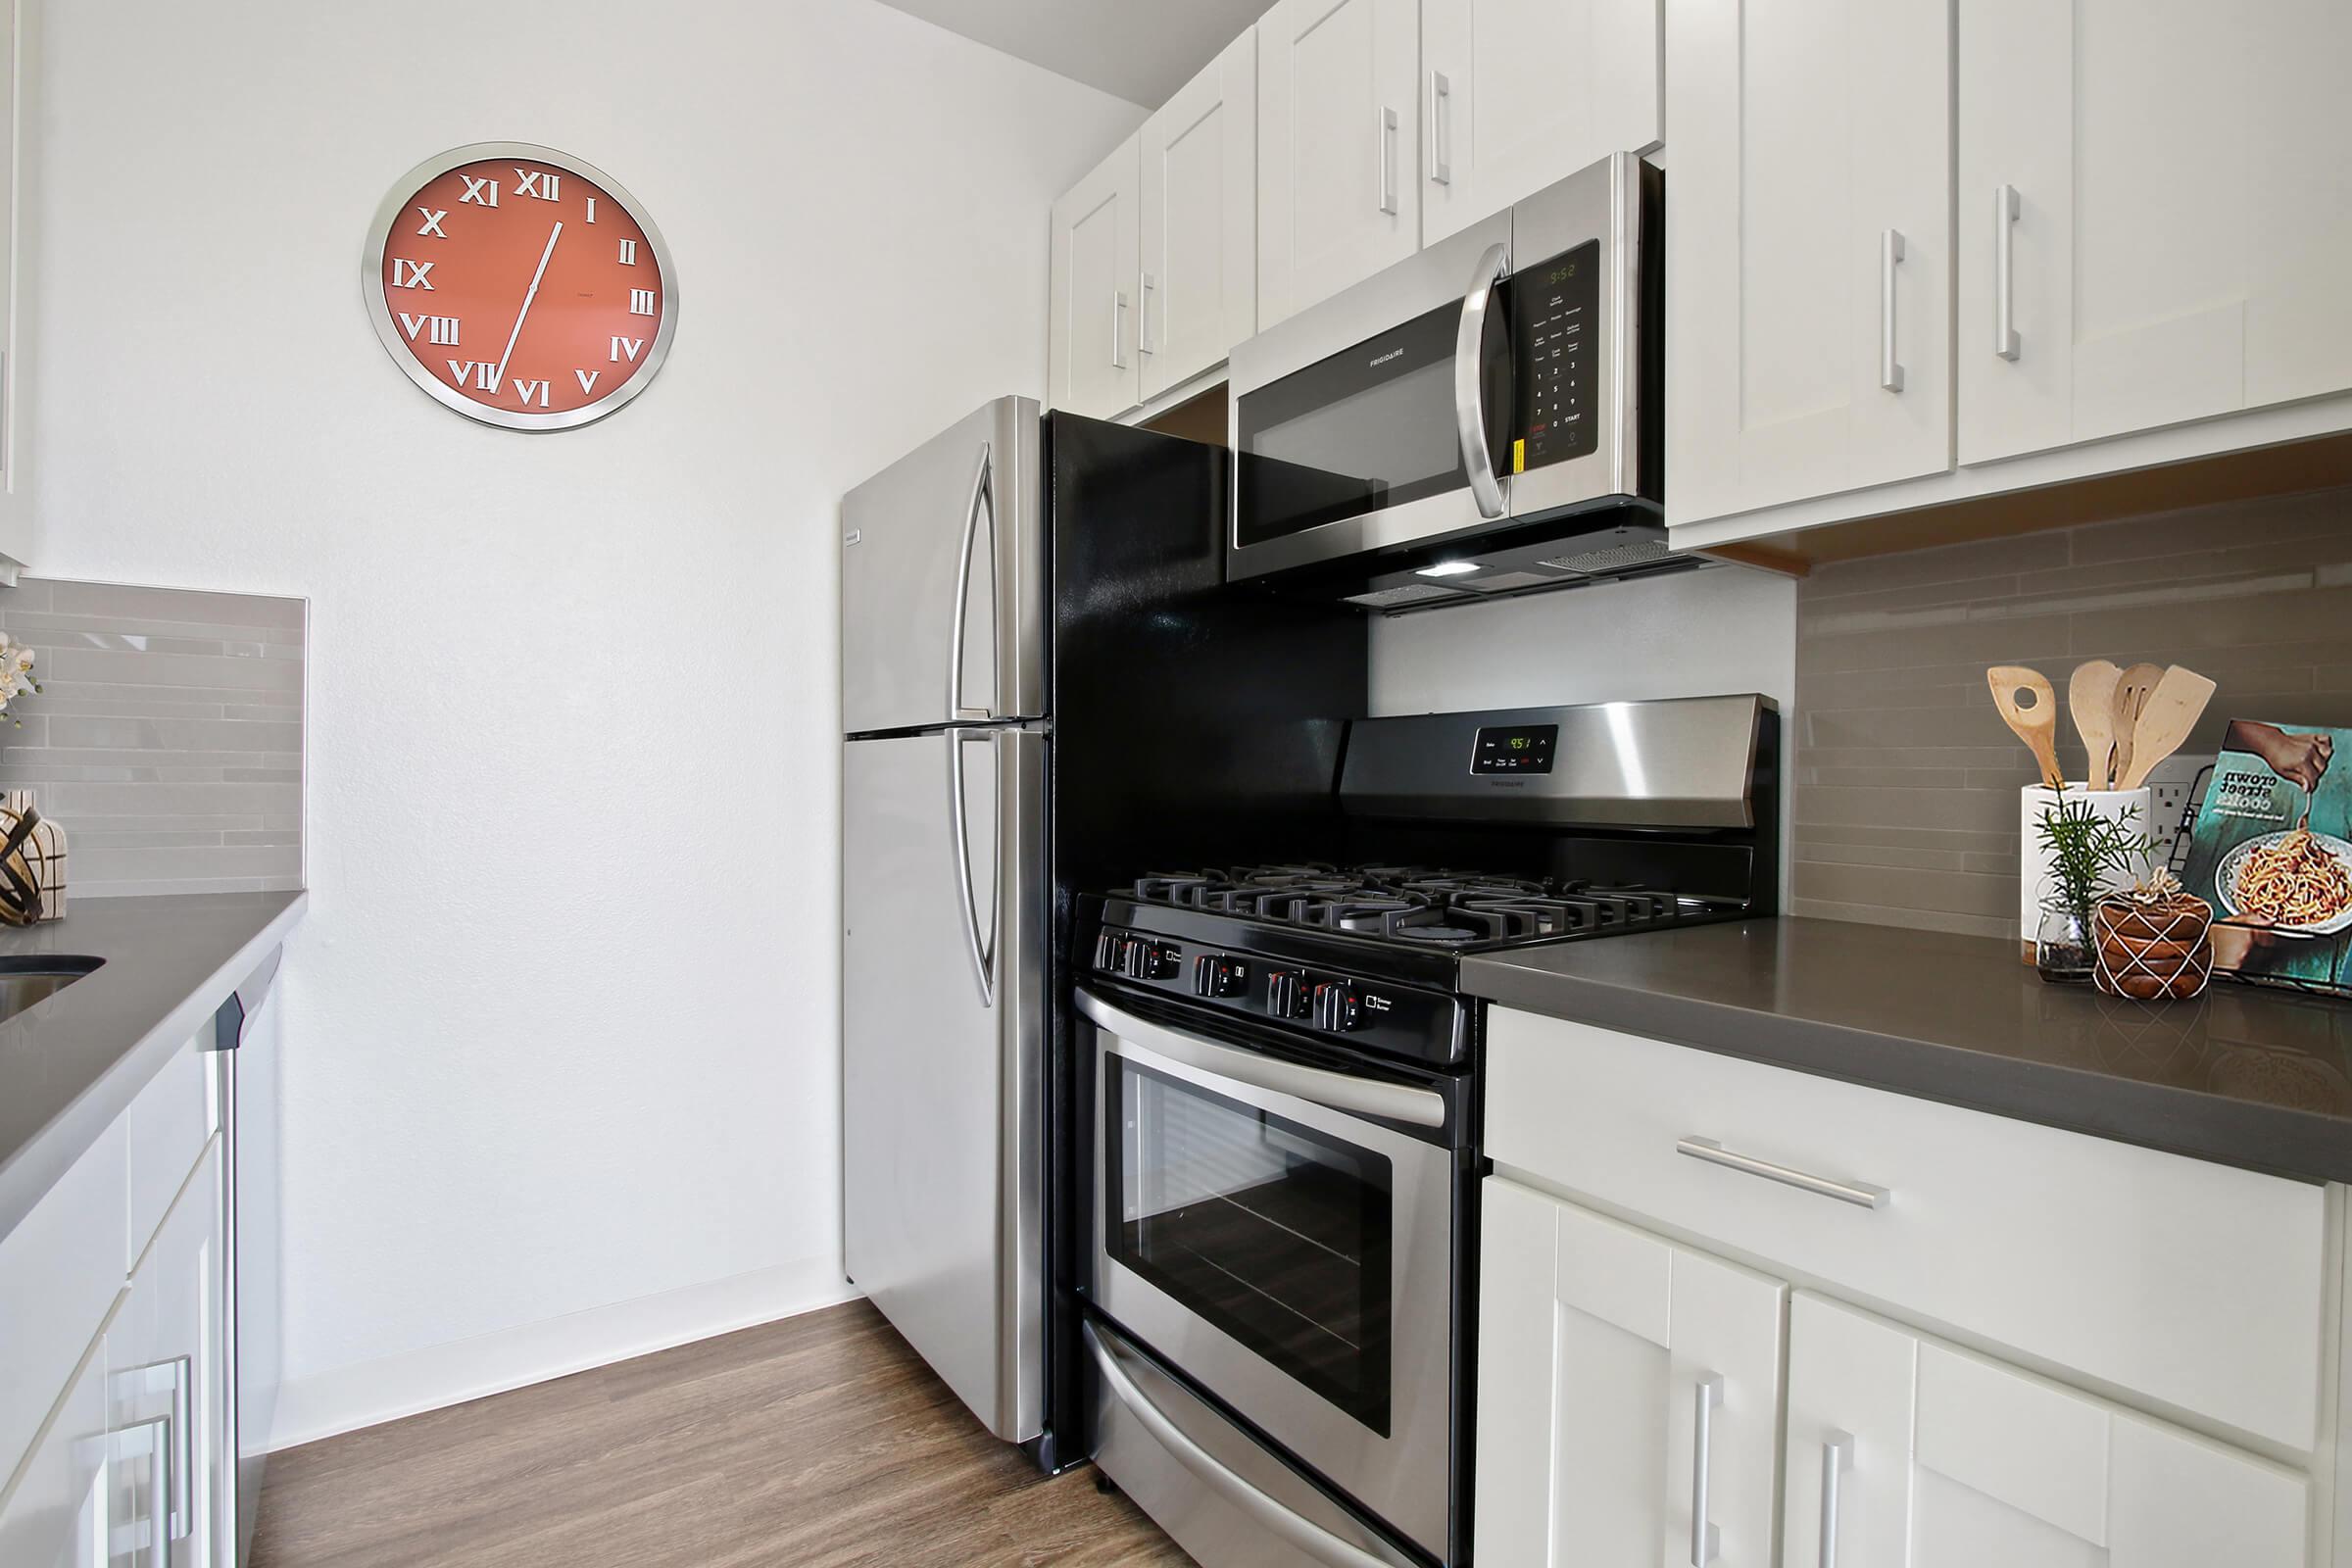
{"x": 1193, "y": 724}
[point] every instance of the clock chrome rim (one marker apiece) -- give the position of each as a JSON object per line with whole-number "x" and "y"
{"x": 371, "y": 286}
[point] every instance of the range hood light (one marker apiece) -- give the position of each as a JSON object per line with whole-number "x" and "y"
{"x": 1448, "y": 569}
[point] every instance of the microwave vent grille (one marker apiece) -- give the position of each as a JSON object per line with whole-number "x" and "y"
{"x": 1411, "y": 593}
{"x": 1611, "y": 559}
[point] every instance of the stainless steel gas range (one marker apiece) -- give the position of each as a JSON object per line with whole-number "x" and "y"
{"x": 1281, "y": 1111}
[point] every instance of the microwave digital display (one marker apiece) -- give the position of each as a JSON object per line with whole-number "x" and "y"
{"x": 1556, "y": 316}
{"x": 1525, "y": 749}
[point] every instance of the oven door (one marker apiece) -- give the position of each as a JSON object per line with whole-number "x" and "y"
{"x": 1351, "y": 420}
{"x": 1278, "y": 1234}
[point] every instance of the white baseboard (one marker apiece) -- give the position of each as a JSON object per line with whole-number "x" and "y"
{"x": 345, "y": 1399}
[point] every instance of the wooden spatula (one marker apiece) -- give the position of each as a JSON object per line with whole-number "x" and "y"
{"x": 2172, "y": 712}
{"x": 2090, "y": 697}
{"x": 2035, "y": 723}
{"x": 2130, "y": 696}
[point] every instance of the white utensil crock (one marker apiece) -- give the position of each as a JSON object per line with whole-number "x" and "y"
{"x": 2135, "y": 810}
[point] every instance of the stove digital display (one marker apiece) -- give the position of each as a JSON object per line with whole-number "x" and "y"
{"x": 1523, "y": 750}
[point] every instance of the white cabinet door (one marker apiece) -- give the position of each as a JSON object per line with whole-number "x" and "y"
{"x": 1627, "y": 1389}
{"x": 2180, "y": 227}
{"x": 1338, "y": 126}
{"x": 1810, "y": 141}
{"x": 1198, "y": 296}
{"x": 14, "y": 507}
{"x": 53, "y": 1514}
{"x": 1516, "y": 94}
{"x": 167, "y": 1390}
{"x": 1091, "y": 333}
{"x": 1906, "y": 1451}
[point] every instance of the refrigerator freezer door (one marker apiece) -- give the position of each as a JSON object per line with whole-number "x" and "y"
{"x": 943, "y": 1029}
{"x": 943, "y": 581}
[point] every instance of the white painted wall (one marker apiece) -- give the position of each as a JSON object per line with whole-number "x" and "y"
{"x": 1692, "y": 634}
{"x": 562, "y": 1027}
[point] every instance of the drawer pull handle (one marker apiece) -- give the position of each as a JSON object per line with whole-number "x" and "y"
{"x": 1859, "y": 1193}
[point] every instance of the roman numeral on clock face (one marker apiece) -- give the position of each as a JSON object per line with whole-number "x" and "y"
{"x": 628, "y": 253}
{"x": 537, "y": 183}
{"x": 625, "y": 348}
{"x": 481, "y": 372}
{"x": 412, "y": 274}
{"x": 640, "y": 301}
{"x": 433, "y": 222}
{"x": 587, "y": 379}
{"x": 444, "y": 328}
{"x": 482, "y": 192}
{"x": 530, "y": 390}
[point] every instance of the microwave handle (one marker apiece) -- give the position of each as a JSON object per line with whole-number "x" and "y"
{"x": 1469, "y": 391}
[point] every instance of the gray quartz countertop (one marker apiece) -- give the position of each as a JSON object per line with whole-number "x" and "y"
{"x": 2250, "y": 1077}
{"x": 70, "y": 1065}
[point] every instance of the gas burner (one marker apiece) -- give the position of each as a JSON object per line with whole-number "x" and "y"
{"x": 1367, "y": 916}
{"x": 1426, "y": 906}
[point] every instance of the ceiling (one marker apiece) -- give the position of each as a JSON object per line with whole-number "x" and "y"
{"x": 1139, "y": 50}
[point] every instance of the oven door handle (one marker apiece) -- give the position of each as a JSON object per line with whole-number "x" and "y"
{"x": 1469, "y": 379}
{"x": 1303, "y": 1534}
{"x": 1335, "y": 1091}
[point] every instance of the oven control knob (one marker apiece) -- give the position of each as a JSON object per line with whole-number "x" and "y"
{"x": 1155, "y": 962}
{"x": 1285, "y": 994}
{"x": 1216, "y": 975}
{"x": 1338, "y": 1007}
{"x": 1106, "y": 950}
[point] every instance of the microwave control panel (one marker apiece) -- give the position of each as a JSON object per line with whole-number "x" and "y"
{"x": 1555, "y": 315}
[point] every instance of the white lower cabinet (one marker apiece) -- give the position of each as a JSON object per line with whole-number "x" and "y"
{"x": 1629, "y": 1395}
{"x": 54, "y": 1511}
{"x": 169, "y": 1498}
{"x": 1903, "y": 1450}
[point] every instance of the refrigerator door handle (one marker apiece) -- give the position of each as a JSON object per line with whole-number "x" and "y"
{"x": 983, "y": 950}
{"x": 963, "y": 591}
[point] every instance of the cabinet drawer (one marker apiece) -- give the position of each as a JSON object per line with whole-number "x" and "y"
{"x": 2197, "y": 1285}
{"x": 168, "y": 1126}
{"x": 59, "y": 1271}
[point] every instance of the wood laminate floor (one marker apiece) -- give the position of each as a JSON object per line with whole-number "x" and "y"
{"x": 822, "y": 1440}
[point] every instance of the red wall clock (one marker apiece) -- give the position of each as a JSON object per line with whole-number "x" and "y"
{"x": 521, "y": 286}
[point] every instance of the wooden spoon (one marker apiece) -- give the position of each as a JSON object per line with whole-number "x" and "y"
{"x": 2036, "y": 724}
{"x": 2172, "y": 712}
{"x": 2130, "y": 696}
{"x": 2090, "y": 697}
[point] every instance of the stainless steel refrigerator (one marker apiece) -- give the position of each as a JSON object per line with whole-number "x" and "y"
{"x": 1046, "y": 686}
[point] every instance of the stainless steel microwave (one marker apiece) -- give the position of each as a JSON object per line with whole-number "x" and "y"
{"x": 1455, "y": 408}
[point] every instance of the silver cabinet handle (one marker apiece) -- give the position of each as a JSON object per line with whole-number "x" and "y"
{"x": 1334, "y": 1091}
{"x": 1143, "y": 317}
{"x": 964, "y": 590}
{"x": 983, "y": 949}
{"x": 1705, "y": 1539}
{"x": 176, "y": 1378}
{"x": 1302, "y": 1533}
{"x": 1891, "y": 252}
{"x": 1859, "y": 1193}
{"x": 1388, "y": 159}
{"x": 1441, "y": 132}
{"x": 1119, "y": 330}
{"x": 2006, "y": 341}
{"x": 151, "y": 1440}
{"x": 1469, "y": 382}
{"x": 1837, "y": 1459}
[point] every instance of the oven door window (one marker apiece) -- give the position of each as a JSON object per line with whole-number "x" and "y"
{"x": 1369, "y": 427}
{"x": 1274, "y": 1232}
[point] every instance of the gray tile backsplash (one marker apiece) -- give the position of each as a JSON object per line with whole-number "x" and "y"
{"x": 1906, "y": 780}
{"x": 168, "y": 734}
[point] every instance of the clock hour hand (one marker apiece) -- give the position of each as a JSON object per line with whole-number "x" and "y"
{"x": 531, "y": 294}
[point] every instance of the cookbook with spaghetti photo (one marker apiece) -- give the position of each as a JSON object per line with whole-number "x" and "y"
{"x": 2271, "y": 852}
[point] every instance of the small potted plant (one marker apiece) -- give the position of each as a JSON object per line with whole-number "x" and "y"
{"x": 2089, "y": 855}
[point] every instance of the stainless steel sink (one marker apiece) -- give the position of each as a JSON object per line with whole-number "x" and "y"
{"x": 28, "y": 979}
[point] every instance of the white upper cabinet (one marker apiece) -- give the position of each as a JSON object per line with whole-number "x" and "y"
{"x": 1808, "y": 249}
{"x": 1629, "y": 1395}
{"x": 1905, "y": 1451}
{"x": 12, "y": 383}
{"x": 2155, "y": 214}
{"x": 1197, "y": 295}
{"x": 1339, "y": 124}
{"x": 1090, "y": 331}
{"x": 1517, "y": 94}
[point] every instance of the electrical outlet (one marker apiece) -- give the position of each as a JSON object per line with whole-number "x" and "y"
{"x": 2174, "y": 784}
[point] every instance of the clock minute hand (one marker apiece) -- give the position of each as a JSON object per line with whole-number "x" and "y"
{"x": 529, "y": 296}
